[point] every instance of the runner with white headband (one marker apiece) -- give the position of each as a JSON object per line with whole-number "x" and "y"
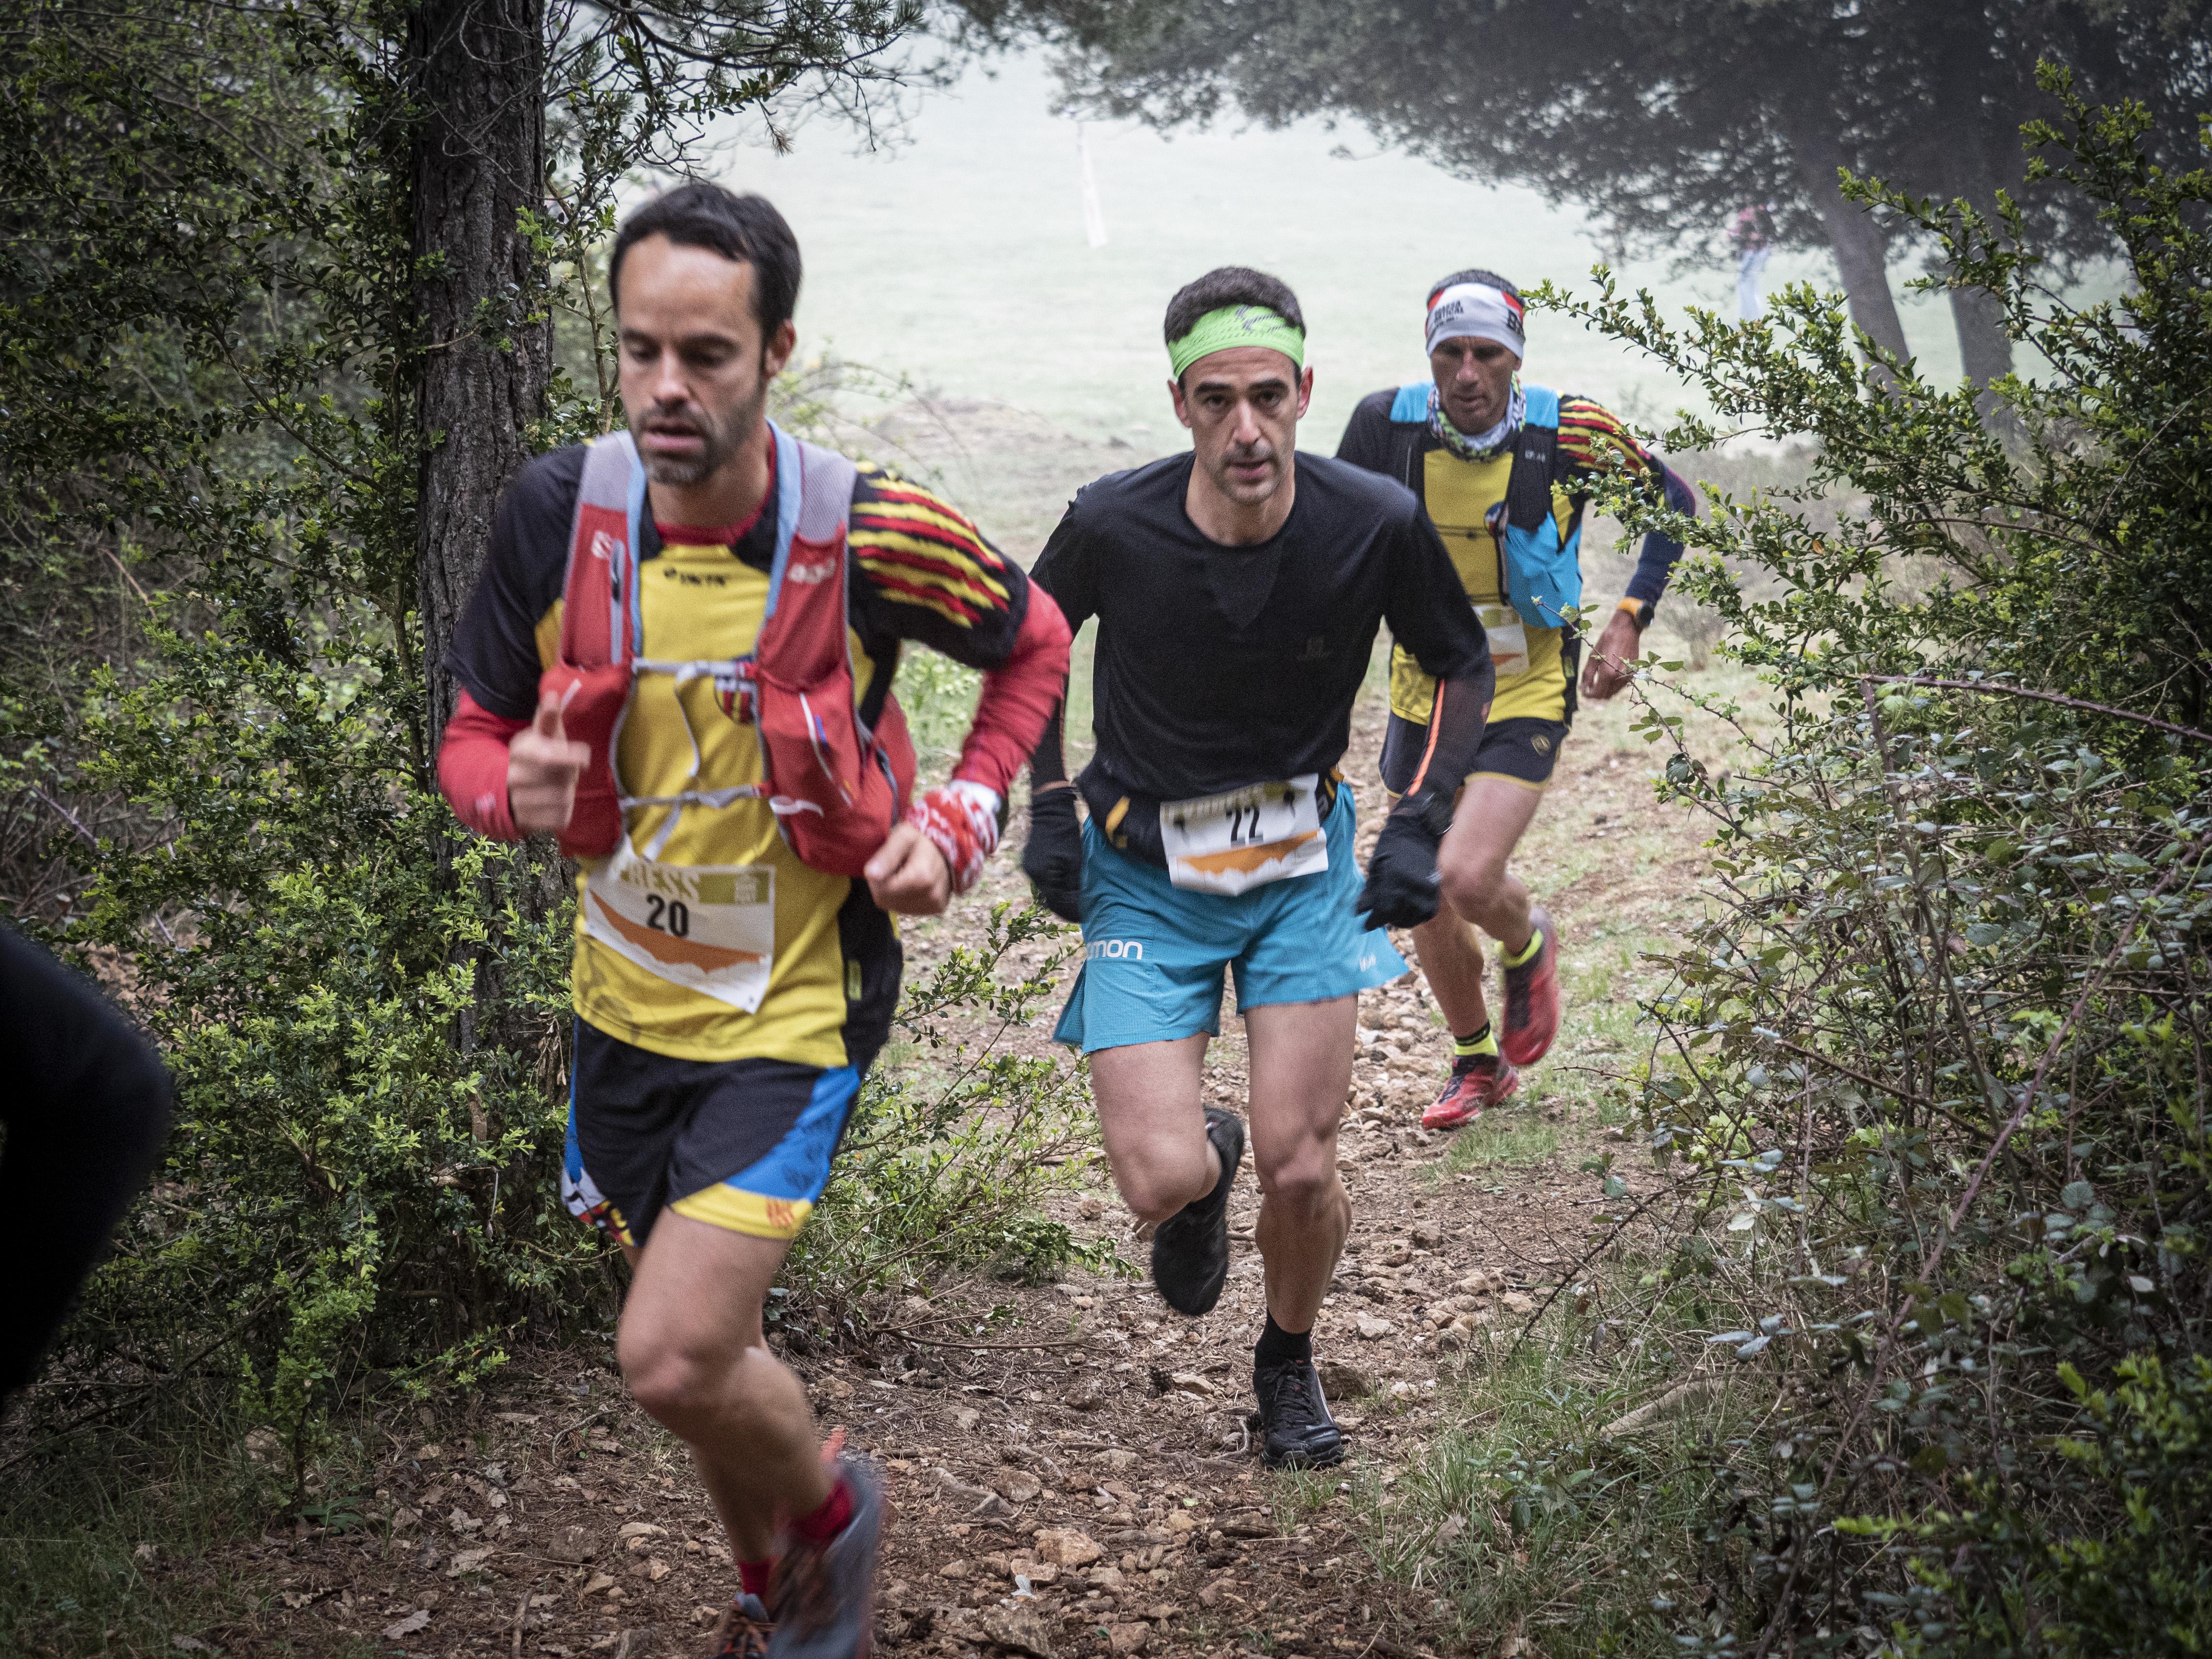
{"x": 1505, "y": 470}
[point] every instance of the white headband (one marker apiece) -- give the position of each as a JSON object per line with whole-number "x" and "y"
{"x": 1476, "y": 311}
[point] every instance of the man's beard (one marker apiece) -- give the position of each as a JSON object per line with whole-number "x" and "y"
{"x": 719, "y": 438}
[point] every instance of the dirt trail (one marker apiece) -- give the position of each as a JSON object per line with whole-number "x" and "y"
{"x": 1092, "y": 1446}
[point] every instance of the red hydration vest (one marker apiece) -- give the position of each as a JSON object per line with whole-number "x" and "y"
{"x": 835, "y": 785}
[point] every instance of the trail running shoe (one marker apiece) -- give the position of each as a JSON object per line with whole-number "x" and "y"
{"x": 824, "y": 1595}
{"x": 1476, "y": 1081}
{"x": 1532, "y": 998}
{"x": 1296, "y": 1431}
{"x": 744, "y": 1631}
{"x": 1190, "y": 1248}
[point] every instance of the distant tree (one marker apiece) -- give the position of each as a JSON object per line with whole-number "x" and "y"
{"x": 1662, "y": 117}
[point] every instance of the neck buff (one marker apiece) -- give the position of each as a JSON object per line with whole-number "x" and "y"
{"x": 1484, "y": 446}
{"x": 1236, "y": 326}
{"x": 1476, "y": 311}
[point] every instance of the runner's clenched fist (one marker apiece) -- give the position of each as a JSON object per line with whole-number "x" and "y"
{"x": 542, "y": 766}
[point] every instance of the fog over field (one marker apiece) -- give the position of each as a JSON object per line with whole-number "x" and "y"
{"x": 957, "y": 255}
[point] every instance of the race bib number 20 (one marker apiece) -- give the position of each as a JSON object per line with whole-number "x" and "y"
{"x": 1232, "y": 843}
{"x": 709, "y": 928}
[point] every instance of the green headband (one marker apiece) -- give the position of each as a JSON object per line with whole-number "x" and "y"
{"x": 1236, "y": 326}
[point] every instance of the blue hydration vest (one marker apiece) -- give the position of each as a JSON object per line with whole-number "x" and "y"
{"x": 1543, "y": 575}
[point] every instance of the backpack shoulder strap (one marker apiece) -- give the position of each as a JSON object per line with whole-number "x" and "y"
{"x": 1411, "y": 407}
{"x": 1536, "y": 456}
{"x": 813, "y": 502}
{"x": 599, "y": 593}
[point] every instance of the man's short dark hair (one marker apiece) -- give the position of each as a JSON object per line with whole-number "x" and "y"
{"x": 1458, "y": 276}
{"x": 1231, "y": 285}
{"x": 742, "y": 227}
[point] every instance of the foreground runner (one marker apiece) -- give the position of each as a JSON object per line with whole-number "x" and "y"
{"x": 1238, "y": 590}
{"x": 1507, "y": 502}
{"x": 733, "y": 602}
{"x": 85, "y": 1107}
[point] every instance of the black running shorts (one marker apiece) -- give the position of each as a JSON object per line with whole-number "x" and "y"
{"x": 1524, "y": 751}
{"x": 742, "y": 1143}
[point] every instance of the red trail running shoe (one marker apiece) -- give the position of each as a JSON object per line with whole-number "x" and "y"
{"x": 1532, "y": 998}
{"x": 1476, "y": 1081}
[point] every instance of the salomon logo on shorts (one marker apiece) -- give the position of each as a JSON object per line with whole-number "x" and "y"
{"x": 1114, "y": 950}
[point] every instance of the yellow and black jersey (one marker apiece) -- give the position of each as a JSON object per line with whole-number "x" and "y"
{"x": 1466, "y": 502}
{"x": 920, "y": 571}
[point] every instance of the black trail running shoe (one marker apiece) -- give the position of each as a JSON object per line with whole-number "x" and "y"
{"x": 1190, "y": 1248}
{"x": 1296, "y": 1431}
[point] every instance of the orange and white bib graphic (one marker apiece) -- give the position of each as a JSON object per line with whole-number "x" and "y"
{"x": 1244, "y": 838}
{"x": 710, "y": 928}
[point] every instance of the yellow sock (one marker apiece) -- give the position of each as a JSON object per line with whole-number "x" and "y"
{"x": 1484, "y": 1042}
{"x": 1526, "y": 953}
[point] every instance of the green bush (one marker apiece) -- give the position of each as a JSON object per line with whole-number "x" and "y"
{"x": 1932, "y": 1077}
{"x": 953, "y": 1148}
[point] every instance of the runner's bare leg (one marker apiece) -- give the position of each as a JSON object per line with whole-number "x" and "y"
{"x": 1490, "y": 817}
{"x": 697, "y": 1360}
{"x": 1301, "y": 1073}
{"x": 1154, "y": 1125}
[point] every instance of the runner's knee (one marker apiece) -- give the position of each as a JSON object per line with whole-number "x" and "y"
{"x": 1302, "y": 1177}
{"x": 678, "y": 1379}
{"x": 1470, "y": 881}
{"x": 1158, "y": 1179}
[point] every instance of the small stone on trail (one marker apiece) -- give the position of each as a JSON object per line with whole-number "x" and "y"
{"x": 1190, "y": 1382}
{"x": 1064, "y": 1547}
{"x": 1128, "y": 1638}
{"x": 1427, "y": 1236}
{"x": 966, "y": 1417}
{"x": 573, "y": 1548}
{"x": 1340, "y": 1382}
{"x": 1017, "y": 1487}
{"x": 1022, "y": 1629}
{"x": 1517, "y": 1302}
{"x": 1372, "y": 1329}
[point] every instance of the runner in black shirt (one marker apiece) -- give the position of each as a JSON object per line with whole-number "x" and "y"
{"x": 1238, "y": 591}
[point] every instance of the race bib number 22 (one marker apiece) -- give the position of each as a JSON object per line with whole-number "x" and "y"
{"x": 1244, "y": 838}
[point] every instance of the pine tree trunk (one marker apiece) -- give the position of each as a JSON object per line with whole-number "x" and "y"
{"x": 479, "y": 165}
{"x": 478, "y": 73}
{"x": 1980, "y": 158}
{"x": 1857, "y": 239}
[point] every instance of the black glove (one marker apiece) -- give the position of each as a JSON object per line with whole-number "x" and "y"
{"x": 1052, "y": 856}
{"x": 1401, "y": 889}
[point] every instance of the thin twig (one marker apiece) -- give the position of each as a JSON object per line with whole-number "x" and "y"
{"x": 1997, "y": 687}
{"x": 993, "y": 1347}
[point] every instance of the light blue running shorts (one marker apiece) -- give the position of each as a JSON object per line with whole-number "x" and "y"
{"x": 1153, "y": 952}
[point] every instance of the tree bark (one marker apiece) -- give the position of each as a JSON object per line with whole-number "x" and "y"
{"x": 1857, "y": 239}
{"x": 477, "y": 75}
{"x": 1984, "y": 347}
{"x": 478, "y": 69}
{"x": 1979, "y": 158}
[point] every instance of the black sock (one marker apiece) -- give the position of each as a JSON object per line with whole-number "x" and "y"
{"x": 1278, "y": 1347}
